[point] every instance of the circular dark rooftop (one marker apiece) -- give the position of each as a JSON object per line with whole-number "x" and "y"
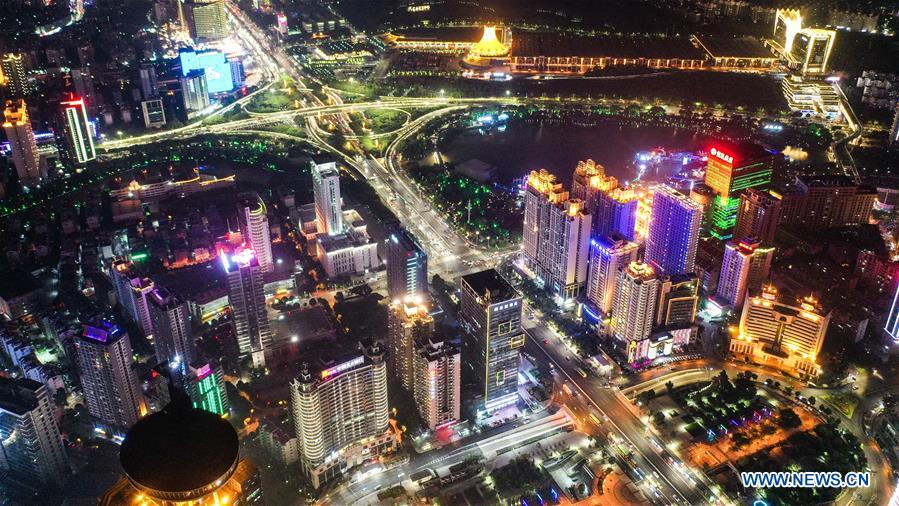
{"x": 180, "y": 450}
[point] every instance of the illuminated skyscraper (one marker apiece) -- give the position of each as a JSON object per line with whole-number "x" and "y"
{"x": 616, "y": 212}
{"x": 340, "y": 413}
{"x": 254, "y": 228}
{"x": 894, "y": 132}
{"x": 18, "y": 130}
{"x": 490, "y": 310}
{"x": 14, "y": 75}
{"x": 172, "y": 336}
{"x": 437, "y": 365}
{"x": 149, "y": 84}
{"x": 328, "y": 204}
{"x": 247, "y": 297}
{"x": 407, "y": 267}
{"x": 78, "y": 130}
{"x": 195, "y": 91}
{"x": 106, "y": 369}
{"x": 636, "y": 296}
{"x": 734, "y": 278}
{"x": 30, "y": 444}
{"x": 892, "y": 324}
{"x": 607, "y": 255}
{"x": 205, "y": 385}
{"x": 825, "y": 201}
{"x": 757, "y": 216}
{"x": 728, "y": 174}
{"x": 811, "y": 50}
{"x": 678, "y": 300}
{"x": 673, "y": 232}
{"x": 132, "y": 291}
{"x": 207, "y": 20}
{"x": 407, "y": 323}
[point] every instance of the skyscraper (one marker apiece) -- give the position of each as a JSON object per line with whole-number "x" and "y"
{"x": 407, "y": 323}
{"x": 172, "y": 336}
{"x": 678, "y": 300}
{"x": 83, "y": 82}
{"x": 18, "y": 130}
{"x": 407, "y": 267}
{"x": 132, "y": 291}
{"x": 105, "y": 366}
{"x": 437, "y": 365}
{"x": 247, "y": 296}
{"x": 673, "y": 231}
{"x": 636, "y": 296}
{"x": 729, "y": 172}
{"x": 328, "y": 204}
{"x": 78, "y": 130}
{"x": 589, "y": 180}
{"x": 892, "y": 324}
{"x": 340, "y": 414}
{"x": 757, "y": 216}
{"x": 205, "y": 385}
{"x": 825, "y": 201}
{"x": 207, "y": 20}
{"x": 195, "y": 91}
{"x": 149, "y": 84}
{"x": 31, "y": 448}
{"x": 490, "y": 310}
{"x": 607, "y": 255}
{"x": 616, "y": 212}
{"x": 254, "y": 228}
{"x": 732, "y": 282}
{"x": 556, "y": 236}
{"x": 13, "y": 71}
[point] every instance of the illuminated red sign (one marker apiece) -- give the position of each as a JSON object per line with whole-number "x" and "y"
{"x": 721, "y": 155}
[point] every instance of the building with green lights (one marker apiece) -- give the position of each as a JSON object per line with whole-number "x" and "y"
{"x": 205, "y": 384}
{"x": 730, "y": 171}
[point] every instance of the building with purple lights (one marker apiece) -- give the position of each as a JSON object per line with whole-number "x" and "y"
{"x": 246, "y": 293}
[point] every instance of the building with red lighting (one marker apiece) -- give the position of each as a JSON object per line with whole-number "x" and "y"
{"x": 78, "y": 130}
{"x": 730, "y": 171}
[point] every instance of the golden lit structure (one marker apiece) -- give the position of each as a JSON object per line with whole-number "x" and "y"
{"x": 804, "y": 50}
{"x": 488, "y": 49}
{"x": 22, "y": 142}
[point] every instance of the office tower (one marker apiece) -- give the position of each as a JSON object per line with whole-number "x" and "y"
{"x": 18, "y": 130}
{"x": 153, "y": 112}
{"x": 78, "y": 130}
{"x": 438, "y": 369}
{"x": 892, "y": 323}
{"x": 172, "y": 336}
{"x": 186, "y": 456}
{"x": 811, "y": 50}
{"x": 106, "y": 368}
{"x": 205, "y": 385}
{"x": 31, "y": 448}
{"x": 207, "y": 20}
{"x": 340, "y": 414}
{"x": 132, "y": 291}
{"x": 673, "y": 232}
{"x": 759, "y": 265}
{"x": 729, "y": 172}
{"x": 195, "y": 91}
{"x": 825, "y": 201}
{"x": 894, "y": 131}
{"x": 589, "y": 180}
{"x": 247, "y": 296}
{"x": 254, "y": 228}
{"x": 13, "y": 66}
{"x": 734, "y": 277}
{"x": 83, "y": 82}
{"x": 490, "y": 310}
{"x": 149, "y": 84}
{"x": 615, "y": 212}
{"x": 607, "y": 255}
{"x": 407, "y": 267}
{"x": 678, "y": 300}
{"x": 780, "y": 333}
{"x": 556, "y": 236}
{"x": 328, "y": 204}
{"x": 407, "y": 323}
{"x": 238, "y": 73}
{"x": 636, "y": 296}
{"x": 757, "y": 216}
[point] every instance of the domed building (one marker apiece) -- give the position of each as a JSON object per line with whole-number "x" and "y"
{"x": 489, "y": 52}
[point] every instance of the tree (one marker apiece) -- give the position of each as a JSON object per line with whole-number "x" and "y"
{"x": 788, "y": 419}
{"x": 669, "y": 386}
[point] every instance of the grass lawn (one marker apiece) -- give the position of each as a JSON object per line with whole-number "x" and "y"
{"x": 843, "y": 402}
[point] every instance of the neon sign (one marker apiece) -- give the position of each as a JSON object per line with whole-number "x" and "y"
{"x": 721, "y": 155}
{"x": 337, "y": 369}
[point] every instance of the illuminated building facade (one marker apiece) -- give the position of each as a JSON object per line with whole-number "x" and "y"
{"x": 207, "y": 20}
{"x": 205, "y": 385}
{"x": 195, "y": 91}
{"x": 784, "y": 335}
{"x": 340, "y": 414}
{"x": 892, "y": 324}
{"x": 608, "y": 254}
{"x": 678, "y": 300}
{"x": 12, "y": 68}
{"x": 745, "y": 268}
{"x": 636, "y": 296}
{"x": 407, "y": 267}
{"x": 153, "y": 112}
{"x": 30, "y": 442}
{"x": 659, "y": 344}
{"x": 825, "y": 201}
{"x": 728, "y": 174}
{"x": 556, "y": 236}
{"x": 407, "y": 323}
{"x": 132, "y": 291}
{"x": 328, "y": 203}
{"x": 616, "y": 212}
{"x": 487, "y": 51}
{"x": 248, "y": 312}
{"x": 805, "y": 50}
{"x": 673, "y": 232}
{"x": 254, "y": 228}
{"x": 490, "y": 310}
{"x": 172, "y": 336}
{"x": 78, "y": 130}
{"x": 438, "y": 367}
{"x": 106, "y": 369}
{"x": 757, "y": 216}
{"x": 815, "y": 99}
{"x": 25, "y": 155}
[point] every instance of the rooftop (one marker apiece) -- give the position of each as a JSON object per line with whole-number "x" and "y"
{"x": 741, "y": 47}
{"x": 624, "y": 46}
{"x": 490, "y": 283}
{"x": 18, "y": 396}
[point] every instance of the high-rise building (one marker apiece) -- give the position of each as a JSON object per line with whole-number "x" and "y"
{"x": 407, "y": 267}
{"x": 556, "y": 236}
{"x": 782, "y": 334}
{"x": 825, "y": 201}
{"x": 678, "y": 300}
{"x": 31, "y": 448}
{"x": 172, "y": 336}
{"x": 340, "y": 414}
{"x": 490, "y": 309}
{"x": 18, "y": 130}
{"x": 195, "y": 91}
{"x": 132, "y": 291}
{"x": 607, "y": 255}
{"x": 207, "y": 20}
{"x": 254, "y": 228}
{"x": 734, "y": 276}
{"x": 438, "y": 367}
{"x": 892, "y": 324}
{"x": 184, "y": 455}
{"x": 153, "y": 112}
{"x": 83, "y": 82}
{"x": 728, "y": 174}
{"x": 589, "y": 180}
{"x": 149, "y": 84}
{"x": 811, "y": 50}
{"x": 15, "y": 76}
{"x": 616, "y": 212}
{"x": 636, "y": 296}
{"x": 78, "y": 130}
{"x": 247, "y": 297}
{"x": 328, "y": 204}
{"x": 757, "y": 216}
{"x": 205, "y": 385}
{"x": 407, "y": 323}
{"x": 894, "y": 131}
{"x": 106, "y": 368}
{"x": 673, "y": 232}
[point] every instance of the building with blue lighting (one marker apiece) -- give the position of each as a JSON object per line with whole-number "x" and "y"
{"x": 673, "y": 232}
